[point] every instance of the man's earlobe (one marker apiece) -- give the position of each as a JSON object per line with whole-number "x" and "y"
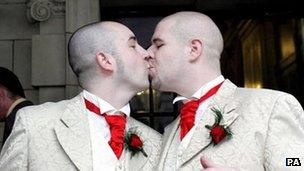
{"x": 196, "y": 49}
{"x": 105, "y": 61}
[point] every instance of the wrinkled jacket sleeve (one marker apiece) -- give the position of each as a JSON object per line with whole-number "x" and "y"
{"x": 285, "y": 134}
{"x": 14, "y": 154}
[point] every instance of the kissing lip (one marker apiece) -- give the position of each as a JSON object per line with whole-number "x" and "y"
{"x": 150, "y": 66}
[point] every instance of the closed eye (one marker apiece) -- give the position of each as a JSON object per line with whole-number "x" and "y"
{"x": 159, "y": 46}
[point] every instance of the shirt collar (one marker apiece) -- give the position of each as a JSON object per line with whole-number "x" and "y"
{"x": 16, "y": 102}
{"x": 204, "y": 89}
{"x": 104, "y": 106}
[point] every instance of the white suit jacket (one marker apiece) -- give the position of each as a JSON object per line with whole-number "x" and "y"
{"x": 267, "y": 127}
{"x": 55, "y": 136}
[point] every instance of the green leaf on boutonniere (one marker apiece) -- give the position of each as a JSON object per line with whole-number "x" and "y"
{"x": 218, "y": 116}
{"x": 229, "y": 132}
{"x": 208, "y": 127}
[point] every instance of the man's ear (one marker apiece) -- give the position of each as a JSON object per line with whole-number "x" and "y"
{"x": 105, "y": 61}
{"x": 196, "y": 48}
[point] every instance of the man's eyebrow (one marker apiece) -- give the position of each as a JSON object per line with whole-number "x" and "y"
{"x": 132, "y": 38}
{"x": 157, "y": 40}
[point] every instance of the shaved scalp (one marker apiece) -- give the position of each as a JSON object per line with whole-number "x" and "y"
{"x": 187, "y": 26}
{"x": 85, "y": 43}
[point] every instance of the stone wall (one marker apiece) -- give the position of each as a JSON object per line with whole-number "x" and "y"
{"x": 33, "y": 39}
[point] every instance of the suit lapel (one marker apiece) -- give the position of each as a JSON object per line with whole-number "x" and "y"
{"x": 167, "y": 141}
{"x": 224, "y": 101}
{"x": 73, "y": 134}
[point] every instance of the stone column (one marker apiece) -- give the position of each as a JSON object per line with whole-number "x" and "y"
{"x": 48, "y": 48}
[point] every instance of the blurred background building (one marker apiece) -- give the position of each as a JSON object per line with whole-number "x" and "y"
{"x": 264, "y": 44}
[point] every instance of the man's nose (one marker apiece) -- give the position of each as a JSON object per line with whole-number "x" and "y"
{"x": 150, "y": 51}
{"x": 144, "y": 53}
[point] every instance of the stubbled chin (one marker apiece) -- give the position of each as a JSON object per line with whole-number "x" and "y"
{"x": 153, "y": 78}
{"x": 152, "y": 72}
{"x": 151, "y": 75}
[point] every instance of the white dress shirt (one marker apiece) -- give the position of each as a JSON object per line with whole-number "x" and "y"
{"x": 178, "y": 147}
{"x": 102, "y": 154}
{"x": 16, "y": 102}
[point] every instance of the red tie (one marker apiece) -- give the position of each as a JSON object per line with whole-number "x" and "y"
{"x": 117, "y": 124}
{"x": 188, "y": 110}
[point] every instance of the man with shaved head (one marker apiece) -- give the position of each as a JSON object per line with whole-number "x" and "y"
{"x": 94, "y": 130}
{"x": 220, "y": 126}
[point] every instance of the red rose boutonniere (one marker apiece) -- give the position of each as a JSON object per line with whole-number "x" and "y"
{"x": 218, "y": 132}
{"x": 134, "y": 144}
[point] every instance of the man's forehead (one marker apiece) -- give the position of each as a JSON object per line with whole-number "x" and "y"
{"x": 123, "y": 31}
{"x": 129, "y": 33}
{"x": 157, "y": 36}
{"x": 126, "y": 35}
{"x": 161, "y": 31}
{"x": 160, "y": 36}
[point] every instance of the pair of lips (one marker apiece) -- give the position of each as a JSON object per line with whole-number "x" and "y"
{"x": 151, "y": 63}
{"x": 150, "y": 66}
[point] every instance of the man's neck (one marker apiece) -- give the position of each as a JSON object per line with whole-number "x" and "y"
{"x": 194, "y": 82}
{"x": 117, "y": 97}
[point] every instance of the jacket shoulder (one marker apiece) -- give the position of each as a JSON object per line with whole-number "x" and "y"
{"x": 265, "y": 96}
{"x": 48, "y": 109}
{"x": 259, "y": 92}
{"x": 43, "y": 115}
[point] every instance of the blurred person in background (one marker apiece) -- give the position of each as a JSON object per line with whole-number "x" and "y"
{"x": 12, "y": 98}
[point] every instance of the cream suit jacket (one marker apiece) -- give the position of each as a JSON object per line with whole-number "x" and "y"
{"x": 267, "y": 127}
{"x": 55, "y": 136}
